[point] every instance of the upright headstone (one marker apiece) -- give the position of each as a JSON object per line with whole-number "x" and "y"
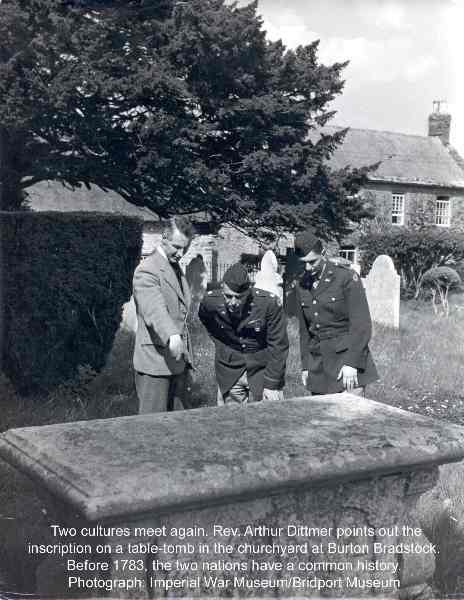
{"x": 383, "y": 292}
{"x": 197, "y": 278}
{"x": 268, "y": 277}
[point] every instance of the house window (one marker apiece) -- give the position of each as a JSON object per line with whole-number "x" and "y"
{"x": 398, "y": 209}
{"x": 348, "y": 253}
{"x": 443, "y": 211}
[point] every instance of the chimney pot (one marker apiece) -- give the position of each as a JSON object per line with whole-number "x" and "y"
{"x": 439, "y": 123}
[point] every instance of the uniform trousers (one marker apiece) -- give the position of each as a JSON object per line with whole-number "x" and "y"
{"x": 161, "y": 393}
{"x": 239, "y": 393}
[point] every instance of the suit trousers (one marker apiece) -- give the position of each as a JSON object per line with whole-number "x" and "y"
{"x": 161, "y": 393}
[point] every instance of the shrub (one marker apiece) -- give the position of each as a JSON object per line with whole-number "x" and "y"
{"x": 440, "y": 280}
{"x": 413, "y": 252}
{"x": 65, "y": 279}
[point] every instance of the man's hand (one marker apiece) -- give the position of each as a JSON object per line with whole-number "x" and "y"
{"x": 350, "y": 377}
{"x": 176, "y": 346}
{"x": 272, "y": 394}
{"x": 304, "y": 378}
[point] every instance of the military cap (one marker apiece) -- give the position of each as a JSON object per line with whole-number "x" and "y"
{"x": 236, "y": 277}
{"x": 307, "y": 241}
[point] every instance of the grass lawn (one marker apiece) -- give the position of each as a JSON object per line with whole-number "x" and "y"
{"x": 420, "y": 369}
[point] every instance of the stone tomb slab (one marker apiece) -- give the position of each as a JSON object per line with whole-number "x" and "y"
{"x": 325, "y": 461}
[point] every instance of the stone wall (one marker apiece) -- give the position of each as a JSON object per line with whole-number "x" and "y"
{"x": 419, "y": 203}
{"x": 218, "y": 250}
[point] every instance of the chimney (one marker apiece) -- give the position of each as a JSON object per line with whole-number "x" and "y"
{"x": 440, "y": 123}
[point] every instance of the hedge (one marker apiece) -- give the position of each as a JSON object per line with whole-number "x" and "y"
{"x": 413, "y": 251}
{"x": 65, "y": 278}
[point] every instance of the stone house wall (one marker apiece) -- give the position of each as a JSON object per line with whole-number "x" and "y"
{"x": 419, "y": 203}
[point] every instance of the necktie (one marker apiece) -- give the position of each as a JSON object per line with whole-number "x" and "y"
{"x": 178, "y": 272}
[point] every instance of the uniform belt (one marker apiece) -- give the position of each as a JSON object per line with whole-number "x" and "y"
{"x": 328, "y": 335}
{"x": 247, "y": 350}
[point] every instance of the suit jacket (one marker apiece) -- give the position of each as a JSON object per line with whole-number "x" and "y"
{"x": 335, "y": 329}
{"x": 162, "y": 309}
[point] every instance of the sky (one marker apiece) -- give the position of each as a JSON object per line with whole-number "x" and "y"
{"x": 403, "y": 55}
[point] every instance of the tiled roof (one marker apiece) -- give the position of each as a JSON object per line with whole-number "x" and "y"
{"x": 404, "y": 158}
{"x": 51, "y": 195}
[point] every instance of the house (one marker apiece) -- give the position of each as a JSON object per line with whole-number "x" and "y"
{"x": 420, "y": 179}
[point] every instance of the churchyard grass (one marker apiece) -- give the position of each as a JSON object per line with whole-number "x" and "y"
{"x": 420, "y": 368}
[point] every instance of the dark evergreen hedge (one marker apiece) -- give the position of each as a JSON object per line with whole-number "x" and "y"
{"x": 64, "y": 279}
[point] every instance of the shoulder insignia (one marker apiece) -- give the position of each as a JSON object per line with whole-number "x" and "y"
{"x": 355, "y": 277}
{"x": 264, "y": 294}
{"x": 341, "y": 263}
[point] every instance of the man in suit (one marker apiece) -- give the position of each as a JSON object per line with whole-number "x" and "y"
{"x": 335, "y": 324}
{"x": 162, "y": 353}
{"x": 249, "y": 330}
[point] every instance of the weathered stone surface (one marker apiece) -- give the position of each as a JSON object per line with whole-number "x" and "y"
{"x": 130, "y": 465}
{"x": 335, "y": 563}
{"x": 268, "y": 277}
{"x": 357, "y": 506}
{"x": 330, "y": 463}
{"x": 197, "y": 278}
{"x": 383, "y": 292}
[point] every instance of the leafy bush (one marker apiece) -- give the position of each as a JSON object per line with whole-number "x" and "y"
{"x": 440, "y": 280}
{"x": 65, "y": 279}
{"x": 413, "y": 252}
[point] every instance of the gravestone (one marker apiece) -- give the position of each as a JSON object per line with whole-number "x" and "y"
{"x": 197, "y": 278}
{"x": 268, "y": 277}
{"x": 383, "y": 292}
{"x": 297, "y": 498}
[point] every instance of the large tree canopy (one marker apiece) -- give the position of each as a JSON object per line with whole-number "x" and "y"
{"x": 177, "y": 106}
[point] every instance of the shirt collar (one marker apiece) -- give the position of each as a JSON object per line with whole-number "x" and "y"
{"x": 162, "y": 252}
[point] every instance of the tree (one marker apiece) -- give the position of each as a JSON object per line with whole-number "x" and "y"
{"x": 177, "y": 106}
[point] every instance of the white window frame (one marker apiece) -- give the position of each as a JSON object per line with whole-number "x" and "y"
{"x": 346, "y": 251}
{"x": 443, "y": 211}
{"x": 397, "y": 209}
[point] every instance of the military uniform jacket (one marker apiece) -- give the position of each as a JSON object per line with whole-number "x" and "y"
{"x": 256, "y": 343}
{"x": 335, "y": 329}
{"x": 162, "y": 308}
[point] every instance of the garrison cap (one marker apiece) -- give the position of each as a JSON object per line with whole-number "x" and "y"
{"x": 305, "y": 242}
{"x": 236, "y": 277}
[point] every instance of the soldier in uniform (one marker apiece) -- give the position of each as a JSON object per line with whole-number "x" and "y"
{"x": 249, "y": 330}
{"x": 335, "y": 324}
